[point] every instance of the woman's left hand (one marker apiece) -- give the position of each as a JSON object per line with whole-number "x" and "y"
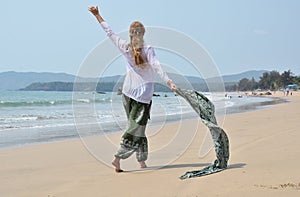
{"x": 172, "y": 86}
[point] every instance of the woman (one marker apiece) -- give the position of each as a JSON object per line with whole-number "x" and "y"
{"x": 137, "y": 89}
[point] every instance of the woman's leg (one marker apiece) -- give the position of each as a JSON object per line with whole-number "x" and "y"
{"x": 116, "y": 163}
{"x": 142, "y": 153}
{"x": 134, "y": 139}
{"x": 122, "y": 151}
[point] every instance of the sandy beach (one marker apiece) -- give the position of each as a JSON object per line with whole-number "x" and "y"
{"x": 264, "y": 161}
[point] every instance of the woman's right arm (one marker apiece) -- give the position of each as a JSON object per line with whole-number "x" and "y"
{"x": 120, "y": 43}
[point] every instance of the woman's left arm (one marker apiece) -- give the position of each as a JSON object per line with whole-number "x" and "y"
{"x": 152, "y": 60}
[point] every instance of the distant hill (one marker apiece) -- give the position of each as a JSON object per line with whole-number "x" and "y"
{"x": 248, "y": 74}
{"x": 17, "y": 80}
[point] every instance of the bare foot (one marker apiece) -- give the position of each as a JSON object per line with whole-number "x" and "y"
{"x": 119, "y": 170}
{"x": 143, "y": 164}
{"x": 116, "y": 163}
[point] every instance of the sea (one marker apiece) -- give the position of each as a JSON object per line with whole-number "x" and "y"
{"x": 30, "y": 117}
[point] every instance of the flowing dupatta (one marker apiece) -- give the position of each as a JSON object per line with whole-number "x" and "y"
{"x": 205, "y": 109}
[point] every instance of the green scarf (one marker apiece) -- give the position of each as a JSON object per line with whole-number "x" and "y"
{"x": 205, "y": 109}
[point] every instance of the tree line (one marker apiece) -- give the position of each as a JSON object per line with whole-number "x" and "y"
{"x": 86, "y": 86}
{"x": 268, "y": 81}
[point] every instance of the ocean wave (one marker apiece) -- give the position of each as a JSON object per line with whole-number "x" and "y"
{"x": 34, "y": 118}
{"x": 83, "y": 100}
{"x": 19, "y": 119}
{"x": 33, "y": 103}
{"x": 228, "y": 104}
{"x": 52, "y": 102}
{"x": 33, "y": 126}
{"x": 7, "y": 127}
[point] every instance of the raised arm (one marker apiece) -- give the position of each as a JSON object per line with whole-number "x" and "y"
{"x": 120, "y": 43}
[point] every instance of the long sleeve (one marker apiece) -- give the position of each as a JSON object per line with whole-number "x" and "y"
{"x": 152, "y": 60}
{"x": 120, "y": 43}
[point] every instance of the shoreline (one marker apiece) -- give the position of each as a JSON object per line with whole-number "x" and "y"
{"x": 258, "y": 105}
{"x": 264, "y": 155}
{"x": 71, "y": 132}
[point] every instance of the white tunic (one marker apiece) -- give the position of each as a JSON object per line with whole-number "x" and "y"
{"x": 139, "y": 82}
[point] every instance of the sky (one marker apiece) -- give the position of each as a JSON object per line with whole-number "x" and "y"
{"x": 239, "y": 35}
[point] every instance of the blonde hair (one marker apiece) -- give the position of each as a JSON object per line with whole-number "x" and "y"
{"x": 136, "y": 32}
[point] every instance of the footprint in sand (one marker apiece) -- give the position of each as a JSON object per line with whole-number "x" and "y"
{"x": 281, "y": 186}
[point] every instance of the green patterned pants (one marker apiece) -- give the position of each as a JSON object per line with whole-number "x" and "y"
{"x": 134, "y": 138}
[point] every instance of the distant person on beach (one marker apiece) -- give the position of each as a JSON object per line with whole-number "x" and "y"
{"x": 137, "y": 89}
{"x": 287, "y": 91}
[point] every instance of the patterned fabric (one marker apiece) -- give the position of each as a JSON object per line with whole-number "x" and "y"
{"x": 134, "y": 138}
{"x": 205, "y": 109}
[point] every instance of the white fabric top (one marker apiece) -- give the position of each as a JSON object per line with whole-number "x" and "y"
{"x": 139, "y": 83}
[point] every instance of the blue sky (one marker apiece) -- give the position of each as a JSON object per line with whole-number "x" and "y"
{"x": 240, "y": 35}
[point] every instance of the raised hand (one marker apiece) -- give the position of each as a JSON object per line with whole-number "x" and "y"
{"x": 94, "y": 10}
